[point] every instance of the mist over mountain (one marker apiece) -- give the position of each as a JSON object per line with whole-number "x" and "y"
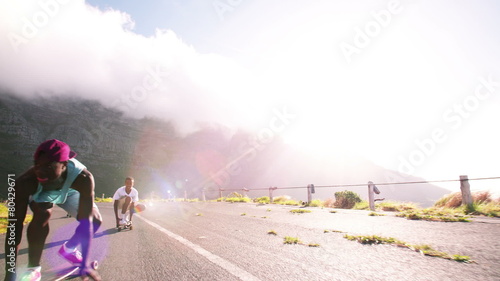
{"x": 168, "y": 163}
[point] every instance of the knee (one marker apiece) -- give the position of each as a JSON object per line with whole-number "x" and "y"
{"x": 41, "y": 216}
{"x": 97, "y": 220}
{"x": 132, "y": 206}
{"x": 96, "y": 223}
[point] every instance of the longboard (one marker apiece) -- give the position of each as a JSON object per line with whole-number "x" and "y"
{"x": 68, "y": 273}
{"x": 61, "y": 274}
{"x": 128, "y": 226}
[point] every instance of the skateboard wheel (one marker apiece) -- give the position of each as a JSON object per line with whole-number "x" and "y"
{"x": 94, "y": 265}
{"x": 131, "y": 227}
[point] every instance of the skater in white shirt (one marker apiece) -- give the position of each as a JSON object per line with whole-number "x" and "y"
{"x": 126, "y": 197}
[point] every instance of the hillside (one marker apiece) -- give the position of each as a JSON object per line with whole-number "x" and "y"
{"x": 166, "y": 163}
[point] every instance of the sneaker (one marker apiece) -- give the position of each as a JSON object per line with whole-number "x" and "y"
{"x": 73, "y": 256}
{"x": 32, "y": 274}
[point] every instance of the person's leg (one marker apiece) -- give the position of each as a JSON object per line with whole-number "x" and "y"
{"x": 125, "y": 208}
{"x": 37, "y": 232}
{"x": 119, "y": 206}
{"x": 71, "y": 206}
{"x": 132, "y": 210}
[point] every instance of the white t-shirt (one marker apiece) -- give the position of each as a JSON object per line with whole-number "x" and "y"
{"x": 121, "y": 193}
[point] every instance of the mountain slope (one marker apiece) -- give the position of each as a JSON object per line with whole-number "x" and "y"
{"x": 166, "y": 163}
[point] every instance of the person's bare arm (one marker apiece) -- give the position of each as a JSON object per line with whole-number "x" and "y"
{"x": 84, "y": 183}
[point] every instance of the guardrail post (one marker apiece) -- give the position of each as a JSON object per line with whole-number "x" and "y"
{"x": 310, "y": 190}
{"x": 371, "y": 197}
{"x": 245, "y": 191}
{"x": 220, "y": 192}
{"x": 203, "y": 195}
{"x": 465, "y": 189}
{"x": 271, "y": 193}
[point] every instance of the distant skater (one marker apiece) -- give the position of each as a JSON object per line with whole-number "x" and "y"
{"x": 125, "y": 199}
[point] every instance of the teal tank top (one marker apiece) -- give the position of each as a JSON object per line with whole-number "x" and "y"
{"x": 59, "y": 196}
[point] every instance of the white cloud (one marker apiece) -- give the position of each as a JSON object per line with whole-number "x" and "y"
{"x": 75, "y": 49}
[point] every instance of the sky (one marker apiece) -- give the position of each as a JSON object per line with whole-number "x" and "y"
{"x": 411, "y": 85}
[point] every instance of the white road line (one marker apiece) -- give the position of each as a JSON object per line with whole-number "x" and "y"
{"x": 230, "y": 267}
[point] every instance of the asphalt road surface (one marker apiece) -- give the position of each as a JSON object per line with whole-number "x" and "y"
{"x": 224, "y": 241}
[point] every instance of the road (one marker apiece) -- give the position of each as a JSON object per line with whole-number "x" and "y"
{"x": 224, "y": 241}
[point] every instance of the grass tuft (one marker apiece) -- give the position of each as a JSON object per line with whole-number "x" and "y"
{"x": 300, "y": 211}
{"x": 424, "y": 249}
{"x": 291, "y": 240}
{"x": 4, "y": 218}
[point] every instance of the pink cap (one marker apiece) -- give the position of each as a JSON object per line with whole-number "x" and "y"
{"x": 56, "y": 150}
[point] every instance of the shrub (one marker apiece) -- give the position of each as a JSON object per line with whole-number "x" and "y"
{"x": 316, "y": 203}
{"x": 481, "y": 197}
{"x": 329, "y": 203}
{"x": 292, "y": 203}
{"x": 262, "y": 200}
{"x": 454, "y": 200}
{"x": 363, "y": 205}
{"x": 238, "y": 199}
{"x": 346, "y": 199}
{"x": 390, "y": 206}
{"x": 235, "y": 194}
{"x": 281, "y": 199}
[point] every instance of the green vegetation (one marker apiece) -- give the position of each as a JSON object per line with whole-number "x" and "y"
{"x": 346, "y": 199}
{"x": 300, "y": 211}
{"x": 482, "y": 204}
{"x": 315, "y": 203}
{"x": 103, "y": 200}
{"x": 313, "y": 245}
{"x": 262, "y": 200}
{"x": 424, "y": 249}
{"x": 363, "y": 205}
{"x": 272, "y": 232}
{"x": 235, "y": 199}
{"x": 391, "y": 206}
{"x": 243, "y": 214}
{"x": 373, "y": 239}
{"x": 435, "y": 214}
{"x": 4, "y": 217}
{"x": 285, "y": 200}
{"x": 447, "y": 209}
{"x": 332, "y": 230}
{"x": 292, "y": 240}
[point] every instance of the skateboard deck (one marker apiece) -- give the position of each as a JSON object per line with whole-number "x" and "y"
{"x": 128, "y": 226}
{"x": 65, "y": 273}
{"x": 59, "y": 274}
